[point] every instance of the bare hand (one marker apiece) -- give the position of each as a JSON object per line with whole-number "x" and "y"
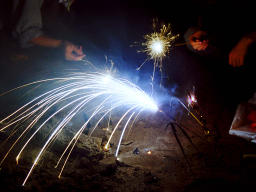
{"x": 237, "y": 54}
{"x": 73, "y": 52}
{"x": 197, "y": 42}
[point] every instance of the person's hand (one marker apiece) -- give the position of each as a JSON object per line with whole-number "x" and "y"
{"x": 73, "y": 52}
{"x": 237, "y": 54}
{"x": 198, "y": 40}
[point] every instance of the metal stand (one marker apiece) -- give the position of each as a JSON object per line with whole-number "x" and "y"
{"x": 174, "y": 126}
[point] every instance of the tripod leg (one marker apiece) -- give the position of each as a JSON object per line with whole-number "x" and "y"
{"x": 168, "y": 125}
{"x": 179, "y": 143}
{"x": 187, "y": 136}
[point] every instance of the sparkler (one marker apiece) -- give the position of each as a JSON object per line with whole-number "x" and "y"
{"x": 190, "y": 112}
{"x": 97, "y": 94}
{"x": 191, "y": 98}
{"x": 192, "y": 104}
{"x": 157, "y": 45}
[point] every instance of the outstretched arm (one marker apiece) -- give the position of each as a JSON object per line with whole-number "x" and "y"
{"x": 71, "y": 51}
{"x": 238, "y": 53}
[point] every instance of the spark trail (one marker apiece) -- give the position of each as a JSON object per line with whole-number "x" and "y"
{"x": 96, "y": 94}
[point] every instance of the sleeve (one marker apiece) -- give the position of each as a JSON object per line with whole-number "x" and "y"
{"x": 29, "y": 24}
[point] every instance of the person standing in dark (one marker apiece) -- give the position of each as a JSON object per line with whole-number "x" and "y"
{"x": 27, "y": 27}
{"x": 224, "y": 30}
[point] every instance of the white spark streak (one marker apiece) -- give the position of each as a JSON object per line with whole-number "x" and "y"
{"x": 96, "y": 94}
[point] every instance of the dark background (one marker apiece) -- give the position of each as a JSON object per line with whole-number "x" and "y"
{"x": 109, "y": 28}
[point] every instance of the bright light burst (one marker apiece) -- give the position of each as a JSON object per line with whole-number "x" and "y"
{"x": 96, "y": 94}
{"x": 157, "y": 47}
{"x": 191, "y": 99}
{"x": 157, "y": 44}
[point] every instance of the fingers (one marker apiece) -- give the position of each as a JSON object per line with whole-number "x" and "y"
{"x": 73, "y": 52}
{"x": 236, "y": 59}
{"x": 199, "y": 46}
{"x": 73, "y": 57}
{"x": 233, "y": 60}
{"x": 77, "y": 58}
{"x": 78, "y": 50}
{"x": 238, "y": 53}
{"x": 199, "y": 40}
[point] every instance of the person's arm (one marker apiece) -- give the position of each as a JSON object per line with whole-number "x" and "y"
{"x": 72, "y": 52}
{"x": 238, "y": 53}
{"x": 45, "y": 41}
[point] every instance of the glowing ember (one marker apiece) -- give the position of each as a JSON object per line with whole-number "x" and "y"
{"x": 106, "y": 147}
{"x": 191, "y": 100}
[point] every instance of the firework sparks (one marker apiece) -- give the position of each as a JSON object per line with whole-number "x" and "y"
{"x": 189, "y": 111}
{"x": 157, "y": 45}
{"x": 191, "y": 99}
{"x": 97, "y": 94}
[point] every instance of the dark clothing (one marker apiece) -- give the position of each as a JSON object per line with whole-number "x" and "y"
{"x": 29, "y": 19}
{"x": 226, "y": 21}
{"x": 29, "y": 23}
{"x": 210, "y": 73}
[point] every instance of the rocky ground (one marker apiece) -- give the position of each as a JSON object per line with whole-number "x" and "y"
{"x": 211, "y": 161}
